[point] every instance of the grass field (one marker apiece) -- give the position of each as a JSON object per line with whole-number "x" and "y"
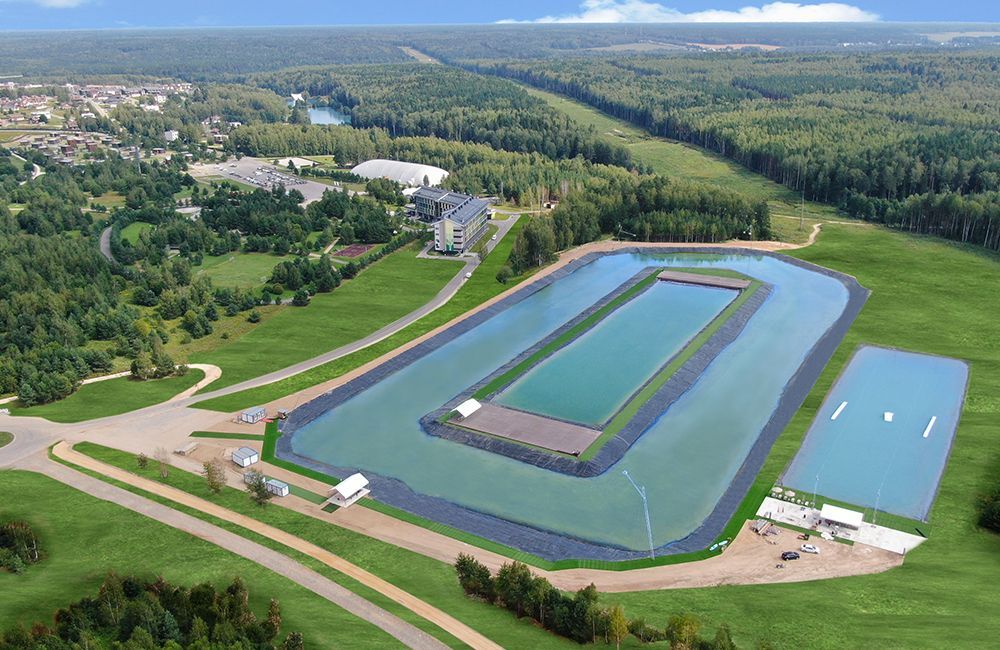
{"x": 240, "y": 270}
{"x": 382, "y": 293}
{"x": 108, "y": 200}
{"x": 6, "y": 438}
{"x": 111, "y": 397}
{"x": 131, "y": 232}
{"x": 481, "y": 287}
{"x": 123, "y": 541}
{"x": 423, "y": 577}
{"x": 952, "y": 578}
{"x": 7, "y": 136}
{"x": 678, "y": 160}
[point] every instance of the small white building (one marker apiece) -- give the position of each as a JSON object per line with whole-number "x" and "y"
{"x": 253, "y": 415}
{"x": 171, "y": 135}
{"x": 837, "y": 516}
{"x": 467, "y": 408}
{"x": 245, "y": 457}
{"x": 277, "y": 488}
{"x": 349, "y": 491}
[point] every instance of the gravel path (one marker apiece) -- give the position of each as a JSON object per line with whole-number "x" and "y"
{"x": 443, "y": 620}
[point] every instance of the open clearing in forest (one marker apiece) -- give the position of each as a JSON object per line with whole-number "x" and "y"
{"x": 240, "y": 270}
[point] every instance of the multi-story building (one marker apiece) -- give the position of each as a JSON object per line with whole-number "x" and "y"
{"x": 459, "y": 219}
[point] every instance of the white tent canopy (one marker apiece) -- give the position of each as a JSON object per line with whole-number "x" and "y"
{"x": 842, "y": 516}
{"x": 405, "y": 173}
{"x": 467, "y": 408}
{"x": 349, "y": 490}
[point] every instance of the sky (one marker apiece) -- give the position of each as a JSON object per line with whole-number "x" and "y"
{"x": 88, "y": 14}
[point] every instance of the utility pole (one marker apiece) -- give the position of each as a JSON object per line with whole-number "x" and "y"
{"x": 645, "y": 507}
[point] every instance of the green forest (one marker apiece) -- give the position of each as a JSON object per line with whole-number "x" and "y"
{"x": 908, "y": 140}
{"x": 448, "y": 103}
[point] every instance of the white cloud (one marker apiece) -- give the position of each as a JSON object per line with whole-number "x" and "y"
{"x": 640, "y": 11}
{"x": 53, "y": 4}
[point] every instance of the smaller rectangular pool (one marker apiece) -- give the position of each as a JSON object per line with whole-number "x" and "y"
{"x": 882, "y": 436}
{"x": 591, "y": 378}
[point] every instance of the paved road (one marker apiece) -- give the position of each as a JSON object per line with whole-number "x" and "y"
{"x": 106, "y": 245}
{"x": 266, "y": 557}
{"x": 443, "y": 620}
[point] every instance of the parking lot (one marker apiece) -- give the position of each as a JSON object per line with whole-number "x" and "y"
{"x": 260, "y": 173}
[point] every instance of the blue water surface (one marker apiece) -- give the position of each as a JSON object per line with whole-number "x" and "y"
{"x": 686, "y": 459}
{"x": 591, "y": 378}
{"x": 864, "y": 460}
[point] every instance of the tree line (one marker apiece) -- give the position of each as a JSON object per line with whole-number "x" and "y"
{"x": 652, "y": 208}
{"x": 133, "y": 613}
{"x": 867, "y": 132}
{"x": 578, "y": 616}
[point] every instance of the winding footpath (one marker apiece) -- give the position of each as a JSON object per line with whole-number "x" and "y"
{"x": 414, "y": 604}
{"x": 262, "y": 555}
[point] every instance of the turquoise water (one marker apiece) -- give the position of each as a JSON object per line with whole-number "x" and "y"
{"x": 686, "y": 459}
{"x": 327, "y": 115}
{"x": 591, "y": 378}
{"x": 864, "y": 460}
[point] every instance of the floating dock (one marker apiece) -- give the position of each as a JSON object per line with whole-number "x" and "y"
{"x": 704, "y": 280}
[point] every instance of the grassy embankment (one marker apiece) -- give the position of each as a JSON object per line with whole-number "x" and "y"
{"x": 428, "y": 579}
{"x": 481, "y": 287}
{"x": 120, "y": 540}
{"x": 112, "y": 397}
{"x": 789, "y": 221}
{"x": 381, "y": 294}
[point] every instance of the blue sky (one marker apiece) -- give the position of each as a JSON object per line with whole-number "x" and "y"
{"x": 79, "y": 14}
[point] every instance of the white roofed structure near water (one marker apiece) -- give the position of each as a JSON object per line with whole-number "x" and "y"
{"x": 842, "y": 516}
{"x": 405, "y": 173}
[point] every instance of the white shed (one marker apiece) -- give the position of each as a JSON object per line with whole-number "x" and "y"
{"x": 350, "y": 490}
{"x": 467, "y": 408}
{"x": 277, "y": 488}
{"x": 253, "y": 415}
{"x": 245, "y": 456}
{"x": 841, "y": 516}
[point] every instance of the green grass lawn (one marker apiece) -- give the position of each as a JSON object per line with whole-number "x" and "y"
{"x": 426, "y": 578}
{"x": 131, "y": 232}
{"x": 382, "y": 293}
{"x": 111, "y": 397}
{"x": 6, "y": 438}
{"x": 7, "y": 136}
{"x": 928, "y": 296}
{"x": 240, "y": 270}
{"x": 108, "y": 200}
{"x": 481, "y": 287}
{"x": 120, "y": 540}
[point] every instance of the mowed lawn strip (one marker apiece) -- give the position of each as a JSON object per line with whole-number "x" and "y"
{"x": 428, "y": 579}
{"x": 385, "y": 291}
{"x": 123, "y": 541}
{"x": 240, "y": 270}
{"x": 480, "y": 287}
{"x": 111, "y": 397}
{"x": 927, "y": 296}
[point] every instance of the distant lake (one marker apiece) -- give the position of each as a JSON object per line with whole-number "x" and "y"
{"x": 327, "y": 115}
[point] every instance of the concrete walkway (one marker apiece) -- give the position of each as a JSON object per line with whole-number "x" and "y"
{"x": 414, "y": 604}
{"x": 106, "y": 245}
{"x": 266, "y": 557}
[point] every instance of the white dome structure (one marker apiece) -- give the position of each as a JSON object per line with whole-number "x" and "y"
{"x": 405, "y": 173}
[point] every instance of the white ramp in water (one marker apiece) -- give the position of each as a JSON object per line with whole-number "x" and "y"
{"x": 840, "y": 409}
{"x": 930, "y": 425}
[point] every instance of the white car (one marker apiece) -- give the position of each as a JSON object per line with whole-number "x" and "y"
{"x": 809, "y": 548}
{"x": 494, "y": 237}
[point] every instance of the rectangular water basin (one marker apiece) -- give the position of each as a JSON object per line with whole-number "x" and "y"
{"x": 590, "y": 379}
{"x": 881, "y": 438}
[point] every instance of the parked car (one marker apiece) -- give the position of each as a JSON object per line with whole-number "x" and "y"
{"x": 789, "y": 555}
{"x": 809, "y": 548}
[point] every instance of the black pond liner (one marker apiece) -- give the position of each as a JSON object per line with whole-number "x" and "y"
{"x": 556, "y": 546}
